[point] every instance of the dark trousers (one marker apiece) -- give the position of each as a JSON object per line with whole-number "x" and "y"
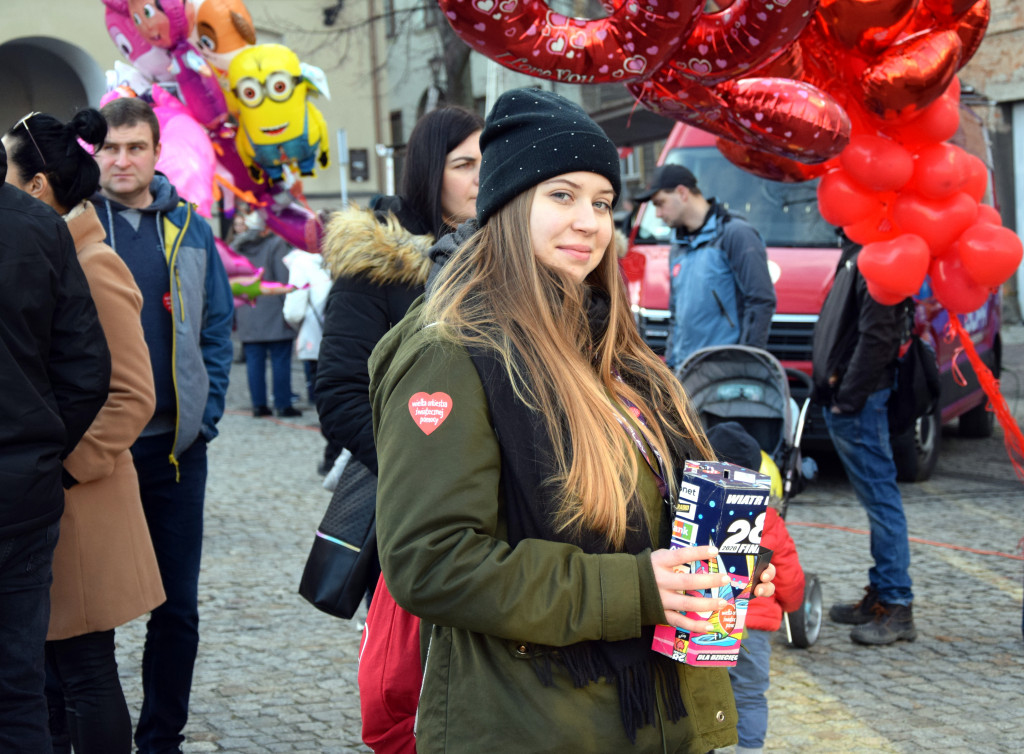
{"x": 83, "y": 692}
{"x": 280, "y": 352}
{"x": 174, "y": 512}
{"x": 309, "y": 369}
{"x": 26, "y": 572}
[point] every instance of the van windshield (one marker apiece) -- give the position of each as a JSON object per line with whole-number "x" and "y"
{"x": 785, "y": 214}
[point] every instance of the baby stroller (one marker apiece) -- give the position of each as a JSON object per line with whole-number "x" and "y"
{"x": 750, "y": 386}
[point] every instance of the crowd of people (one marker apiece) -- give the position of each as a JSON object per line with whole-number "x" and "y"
{"x": 534, "y": 554}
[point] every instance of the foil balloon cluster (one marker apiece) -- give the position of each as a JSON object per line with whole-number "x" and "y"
{"x": 862, "y": 93}
{"x": 180, "y": 52}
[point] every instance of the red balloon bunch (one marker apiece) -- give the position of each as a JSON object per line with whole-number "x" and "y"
{"x": 913, "y": 200}
{"x": 860, "y": 92}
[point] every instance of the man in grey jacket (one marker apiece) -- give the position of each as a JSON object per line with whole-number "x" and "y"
{"x": 186, "y": 319}
{"x": 721, "y": 292}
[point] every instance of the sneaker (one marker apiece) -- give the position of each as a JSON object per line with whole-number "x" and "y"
{"x": 890, "y": 623}
{"x": 855, "y": 613}
{"x": 289, "y": 411}
{"x": 259, "y": 411}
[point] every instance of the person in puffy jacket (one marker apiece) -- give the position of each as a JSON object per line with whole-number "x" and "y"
{"x": 750, "y": 676}
{"x": 380, "y": 260}
{"x": 528, "y": 442}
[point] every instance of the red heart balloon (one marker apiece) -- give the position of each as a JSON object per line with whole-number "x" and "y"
{"x": 948, "y": 9}
{"x": 971, "y": 29}
{"x": 671, "y": 95}
{"x": 988, "y": 215}
{"x": 911, "y": 74}
{"x": 527, "y": 36}
{"x": 939, "y": 170}
{"x": 737, "y": 39}
{"x": 989, "y": 253}
{"x": 866, "y": 25}
{"x": 976, "y": 180}
{"x": 936, "y": 123}
{"x": 877, "y": 163}
{"x": 768, "y": 165}
{"x": 792, "y": 119}
{"x": 878, "y": 226}
{"x": 842, "y": 201}
{"x": 953, "y": 287}
{"x": 938, "y": 221}
{"x": 897, "y": 266}
{"x": 882, "y": 296}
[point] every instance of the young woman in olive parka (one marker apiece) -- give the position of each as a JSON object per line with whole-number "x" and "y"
{"x": 528, "y": 444}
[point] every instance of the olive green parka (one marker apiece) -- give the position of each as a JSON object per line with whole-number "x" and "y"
{"x": 485, "y": 605}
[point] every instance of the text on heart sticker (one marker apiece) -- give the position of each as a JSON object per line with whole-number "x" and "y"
{"x": 429, "y": 410}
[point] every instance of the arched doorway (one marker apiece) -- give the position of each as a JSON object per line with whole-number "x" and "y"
{"x": 48, "y": 75}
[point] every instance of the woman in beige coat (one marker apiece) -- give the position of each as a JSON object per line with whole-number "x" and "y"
{"x": 104, "y": 569}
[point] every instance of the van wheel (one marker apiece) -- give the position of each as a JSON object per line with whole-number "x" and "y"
{"x": 978, "y": 422}
{"x": 916, "y": 450}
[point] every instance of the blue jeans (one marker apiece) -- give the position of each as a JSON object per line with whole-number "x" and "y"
{"x": 174, "y": 512}
{"x": 26, "y": 571}
{"x": 280, "y": 352}
{"x": 750, "y": 679}
{"x": 83, "y": 691}
{"x": 862, "y": 442}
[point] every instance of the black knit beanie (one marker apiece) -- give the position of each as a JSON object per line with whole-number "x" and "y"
{"x": 531, "y": 136}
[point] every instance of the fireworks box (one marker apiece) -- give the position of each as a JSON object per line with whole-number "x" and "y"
{"x": 724, "y": 505}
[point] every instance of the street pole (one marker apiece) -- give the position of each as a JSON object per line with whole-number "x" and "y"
{"x": 343, "y": 165}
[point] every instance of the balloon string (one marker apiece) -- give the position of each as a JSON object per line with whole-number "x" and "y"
{"x": 1013, "y": 438}
{"x": 246, "y": 196}
{"x": 958, "y": 375}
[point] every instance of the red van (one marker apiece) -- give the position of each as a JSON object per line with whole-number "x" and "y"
{"x": 802, "y": 257}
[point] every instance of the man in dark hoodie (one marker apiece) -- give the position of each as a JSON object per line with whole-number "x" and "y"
{"x": 186, "y": 318}
{"x": 856, "y": 341}
{"x": 54, "y": 378}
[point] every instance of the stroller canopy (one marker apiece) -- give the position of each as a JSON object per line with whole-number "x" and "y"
{"x": 743, "y": 384}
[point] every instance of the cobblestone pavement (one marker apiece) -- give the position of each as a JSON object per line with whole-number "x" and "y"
{"x": 276, "y": 675}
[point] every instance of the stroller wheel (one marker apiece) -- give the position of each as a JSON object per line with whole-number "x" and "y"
{"x": 803, "y": 625}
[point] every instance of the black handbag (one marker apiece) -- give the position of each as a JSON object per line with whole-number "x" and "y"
{"x": 339, "y": 566}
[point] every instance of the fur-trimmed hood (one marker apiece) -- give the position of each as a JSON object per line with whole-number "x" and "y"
{"x": 361, "y": 242}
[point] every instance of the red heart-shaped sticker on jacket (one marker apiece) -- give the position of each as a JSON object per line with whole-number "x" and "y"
{"x": 429, "y": 410}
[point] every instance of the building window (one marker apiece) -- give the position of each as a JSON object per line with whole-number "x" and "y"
{"x": 629, "y": 166}
{"x": 390, "y": 20}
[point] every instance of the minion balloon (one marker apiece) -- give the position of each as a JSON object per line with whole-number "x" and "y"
{"x": 277, "y": 125}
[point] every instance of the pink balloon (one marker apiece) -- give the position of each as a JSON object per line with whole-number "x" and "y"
{"x": 234, "y": 263}
{"x": 186, "y": 155}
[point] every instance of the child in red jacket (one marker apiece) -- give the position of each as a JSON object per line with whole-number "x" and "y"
{"x": 750, "y": 676}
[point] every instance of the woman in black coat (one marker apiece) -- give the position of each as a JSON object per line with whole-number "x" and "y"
{"x": 378, "y": 261}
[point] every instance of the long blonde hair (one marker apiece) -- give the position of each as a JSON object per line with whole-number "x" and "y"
{"x": 493, "y": 293}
